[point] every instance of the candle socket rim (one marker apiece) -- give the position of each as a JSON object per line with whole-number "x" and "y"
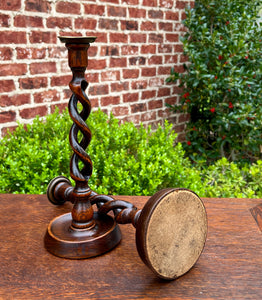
{"x": 77, "y": 39}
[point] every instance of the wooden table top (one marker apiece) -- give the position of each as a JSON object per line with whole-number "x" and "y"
{"x": 230, "y": 266}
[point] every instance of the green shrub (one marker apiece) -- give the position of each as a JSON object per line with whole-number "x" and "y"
{"x": 222, "y": 89}
{"x": 227, "y": 179}
{"x": 126, "y": 160}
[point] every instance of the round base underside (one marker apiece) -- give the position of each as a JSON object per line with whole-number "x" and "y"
{"x": 64, "y": 241}
{"x": 172, "y": 232}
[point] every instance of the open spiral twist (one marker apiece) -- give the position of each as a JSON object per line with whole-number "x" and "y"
{"x": 78, "y": 172}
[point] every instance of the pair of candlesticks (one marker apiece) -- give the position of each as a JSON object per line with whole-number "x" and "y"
{"x": 171, "y": 229}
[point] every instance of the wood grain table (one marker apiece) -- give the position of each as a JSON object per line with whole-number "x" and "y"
{"x": 230, "y": 266}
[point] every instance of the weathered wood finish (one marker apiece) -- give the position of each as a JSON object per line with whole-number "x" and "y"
{"x": 230, "y": 266}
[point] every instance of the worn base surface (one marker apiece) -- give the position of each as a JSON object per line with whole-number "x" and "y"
{"x": 64, "y": 241}
{"x": 172, "y": 232}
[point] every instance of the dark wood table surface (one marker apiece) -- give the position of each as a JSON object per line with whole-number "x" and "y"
{"x": 230, "y": 266}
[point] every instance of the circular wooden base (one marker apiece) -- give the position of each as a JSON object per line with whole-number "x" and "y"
{"x": 64, "y": 241}
{"x": 171, "y": 232}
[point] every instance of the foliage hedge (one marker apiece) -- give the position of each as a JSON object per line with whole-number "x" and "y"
{"x": 126, "y": 160}
{"x": 222, "y": 89}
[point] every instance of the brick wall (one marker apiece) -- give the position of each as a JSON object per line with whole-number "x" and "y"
{"x": 137, "y": 44}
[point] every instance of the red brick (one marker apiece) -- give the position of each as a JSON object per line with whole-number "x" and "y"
{"x": 165, "y": 48}
{"x": 155, "y": 60}
{"x": 154, "y": 104}
{"x": 33, "y": 83}
{"x": 43, "y": 67}
{"x": 148, "y": 72}
{"x": 6, "y": 53}
{"x": 108, "y": 24}
{"x": 163, "y": 92}
{"x": 92, "y": 51}
{"x": 156, "y": 38}
{"x": 116, "y": 11}
{"x": 138, "y": 38}
{"x": 13, "y": 69}
{"x": 7, "y": 116}
{"x": 137, "y": 60}
{"x": 110, "y": 100}
{"x": 83, "y": 23}
{"x": 166, "y": 3}
{"x": 148, "y": 26}
{"x": 119, "y": 86}
{"x": 146, "y": 49}
{"x": 29, "y": 53}
{"x": 94, "y": 9}
{"x": 150, "y": 3}
{"x": 130, "y": 97}
{"x": 46, "y": 96}
{"x": 179, "y": 69}
{"x": 179, "y": 128}
{"x": 7, "y": 86}
{"x": 148, "y": 94}
{"x": 172, "y": 37}
{"x": 129, "y": 50}
{"x": 151, "y": 115}
{"x": 96, "y": 64}
{"x": 60, "y": 106}
{"x": 171, "y": 15}
{"x": 94, "y": 102}
{"x": 133, "y": 118}
{"x": 130, "y": 73}
{"x": 181, "y": 4}
{"x": 109, "y": 51}
{"x": 4, "y": 20}
{"x": 171, "y": 100}
{"x": 120, "y": 111}
{"x": 129, "y": 25}
{"x": 10, "y": 5}
{"x": 183, "y": 118}
{"x": 178, "y": 48}
{"x": 61, "y": 80}
{"x": 92, "y": 77}
{"x": 165, "y": 26}
{"x": 53, "y": 22}
{"x": 28, "y": 21}
{"x": 171, "y": 59}
{"x": 136, "y": 13}
{"x": 43, "y": 37}
{"x": 6, "y": 100}
{"x": 110, "y": 75}
{"x": 32, "y": 112}
{"x": 138, "y": 107}
{"x": 118, "y": 37}
{"x": 118, "y": 62}
{"x": 9, "y": 37}
{"x": 156, "y": 82}
{"x": 57, "y": 52}
{"x": 37, "y": 5}
{"x": 98, "y": 90}
{"x": 101, "y": 37}
{"x": 183, "y": 58}
{"x": 68, "y": 8}
{"x": 139, "y": 84}
{"x": 155, "y": 14}
{"x": 163, "y": 70}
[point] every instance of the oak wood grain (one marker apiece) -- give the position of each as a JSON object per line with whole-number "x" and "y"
{"x": 230, "y": 266}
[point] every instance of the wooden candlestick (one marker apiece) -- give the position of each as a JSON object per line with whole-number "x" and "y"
{"x": 171, "y": 228}
{"x": 81, "y": 233}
